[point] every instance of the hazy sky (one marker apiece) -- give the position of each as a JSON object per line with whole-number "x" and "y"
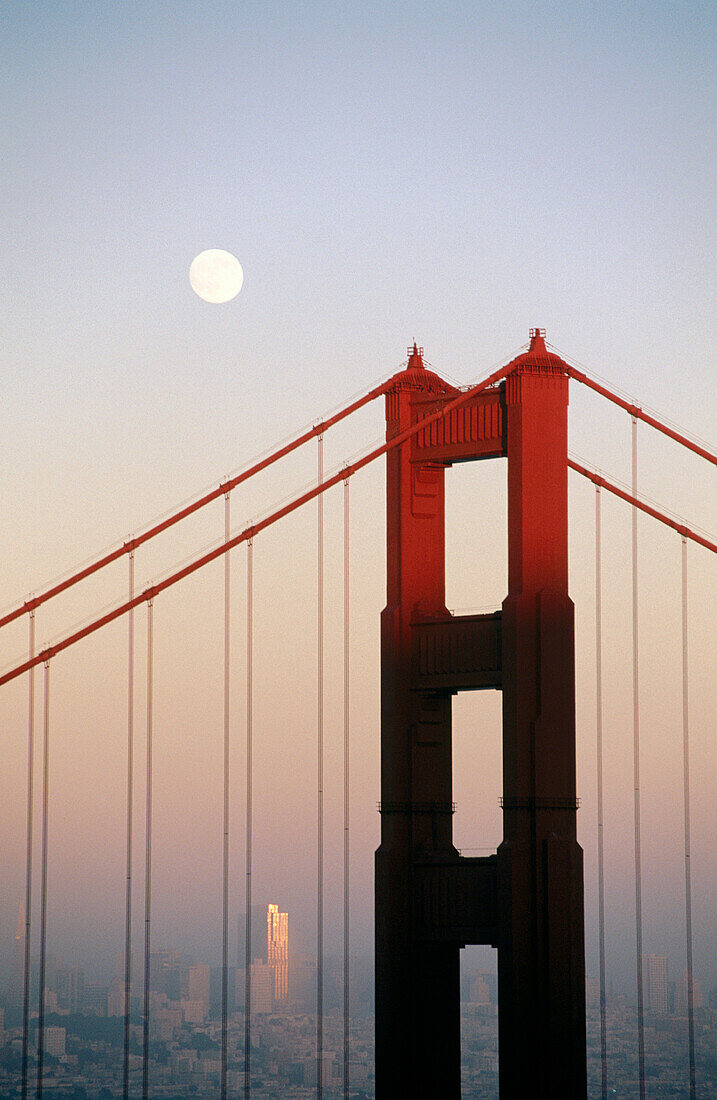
{"x": 453, "y": 172}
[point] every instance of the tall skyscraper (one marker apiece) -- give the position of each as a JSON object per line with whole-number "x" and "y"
{"x": 654, "y": 969}
{"x": 277, "y": 949}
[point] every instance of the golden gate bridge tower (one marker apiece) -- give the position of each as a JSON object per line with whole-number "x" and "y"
{"x": 526, "y": 899}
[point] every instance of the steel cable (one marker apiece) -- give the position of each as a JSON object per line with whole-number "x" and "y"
{"x": 225, "y": 849}
{"x": 600, "y": 837}
{"x": 636, "y": 779}
{"x": 347, "y": 789}
{"x": 686, "y": 796}
{"x": 249, "y": 736}
{"x": 320, "y": 778}
{"x": 28, "y": 861}
{"x": 130, "y": 797}
{"x": 43, "y": 886}
{"x": 148, "y": 855}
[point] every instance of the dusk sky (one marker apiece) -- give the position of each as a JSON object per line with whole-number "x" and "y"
{"x": 450, "y": 172}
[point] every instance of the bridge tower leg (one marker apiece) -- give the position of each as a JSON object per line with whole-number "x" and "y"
{"x": 527, "y": 899}
{"x": 541, "y": 957}
{"x": 417, "y": 987}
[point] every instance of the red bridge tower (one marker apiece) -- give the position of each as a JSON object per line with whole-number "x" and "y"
{"x": 527, "y": 899}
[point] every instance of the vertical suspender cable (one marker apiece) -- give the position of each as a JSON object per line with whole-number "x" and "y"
{"x": 347, "y": 956}
{"x": 249, "y": 732}
{"x": 686, "y": 779}
{"x": 320, "y": 781}
{"x": 28, "y": 860}
{"x": 148, "y": 857}
{"x": 601, "y": 861}
{"x": 225, "y": 853}
{"x": 636, "y": 775}
{"x": 43, "y": 881}
{"x": 130, "y": 796}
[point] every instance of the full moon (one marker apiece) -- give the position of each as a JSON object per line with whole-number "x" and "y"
{"x": 216, "y": 275}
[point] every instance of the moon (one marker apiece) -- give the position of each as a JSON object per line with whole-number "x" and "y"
{"x": 216, "y": 275}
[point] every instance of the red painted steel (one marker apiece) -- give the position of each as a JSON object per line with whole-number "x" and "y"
{"x": 526, "y": 900}
{"x": 541, "y": 964}
{"x": 417, "y": 982}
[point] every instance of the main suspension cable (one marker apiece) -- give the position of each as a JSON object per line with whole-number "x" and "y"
{"x": 661, "y": 517}
{"x": 636, "y": 778}
{"x": 189, "y": 509}
{"x": 686, "y": 797}
{"x": 130, "y": 800}
{"x": 43, "y": 882}
{"x": 249, "y": 532}
{"x": 249, "y": 736}
{"x": 600, "y": 819}
{"x": 639, "y": 414}
{"x": 225, "y": 848}
{"x": 148, "y": 855}
{"x": 28, "y": 861}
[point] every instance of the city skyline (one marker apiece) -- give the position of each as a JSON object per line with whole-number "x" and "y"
{"x": 185, "y": 1027}
{"x": 477, "y": 960}
{"x": 67, "y": 978}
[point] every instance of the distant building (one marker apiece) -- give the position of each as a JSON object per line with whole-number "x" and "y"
{"x": 17, "y": 972}
{"x": 95, "y": 999}
{"x": 163, "y": 966}
{"x": 70, "y": 989}
{"x": 310, "y": 1066}
{"x": 197, "y": 988}
{"x": 302, "y": 982}
{"x": 164, "y": 1023}
{"x": 194, "y": 1012}
{"x": 681, "y": 1005}
{"x": 55, "y": 1041}
{"x": 654, "y": 975}
{"x": 53, "y": 965}
{"x": 277, "y": 950}
{"x": 257, "y": 929}
{"x": 480, "y": 988}
{"x": 216, "y": 978}
{"x": 262, "y": 988}
{"x": 116, "y": 998}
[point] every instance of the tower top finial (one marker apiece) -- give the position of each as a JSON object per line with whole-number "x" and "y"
{"x": 538, "y": 356}
{"x": 415, "y": 357}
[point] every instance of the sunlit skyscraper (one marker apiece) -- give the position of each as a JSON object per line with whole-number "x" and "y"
{"x": 277, "y": 949}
